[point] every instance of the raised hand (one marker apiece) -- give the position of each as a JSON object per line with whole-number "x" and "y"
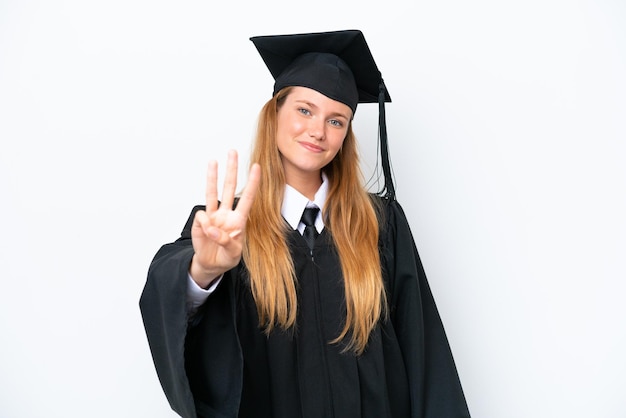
{"x": 218, "y": 232}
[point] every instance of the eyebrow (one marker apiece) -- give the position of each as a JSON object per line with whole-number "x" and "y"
{"x": 313, "y": 105}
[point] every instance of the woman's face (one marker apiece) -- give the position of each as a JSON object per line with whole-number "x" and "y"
{"x": 310, "y": 131}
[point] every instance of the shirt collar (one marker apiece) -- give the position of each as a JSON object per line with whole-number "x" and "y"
{"x": 295, "y": 202}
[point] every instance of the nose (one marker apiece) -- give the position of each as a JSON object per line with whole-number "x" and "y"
{"x": 317, "y": 129}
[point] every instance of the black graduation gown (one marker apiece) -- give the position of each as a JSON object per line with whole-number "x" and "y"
{"x": 221, "y": 364}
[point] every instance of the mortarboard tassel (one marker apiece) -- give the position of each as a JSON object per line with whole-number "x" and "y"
{"x": 388, "y": 191}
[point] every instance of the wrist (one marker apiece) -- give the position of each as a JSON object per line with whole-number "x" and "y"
{"x": 202, "y": 276}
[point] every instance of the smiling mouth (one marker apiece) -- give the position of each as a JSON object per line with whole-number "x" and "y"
{"x": 311, "y": 147}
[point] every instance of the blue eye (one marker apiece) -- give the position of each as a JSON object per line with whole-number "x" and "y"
{"x": 304, "y": 111}
{"x": 336, "y": 123}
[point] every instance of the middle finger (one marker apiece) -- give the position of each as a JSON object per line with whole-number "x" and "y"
{"x": 230, "y": 181}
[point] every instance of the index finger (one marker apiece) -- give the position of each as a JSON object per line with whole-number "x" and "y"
{"x": 210, "y": 194}
{"x": 249, "y": 192}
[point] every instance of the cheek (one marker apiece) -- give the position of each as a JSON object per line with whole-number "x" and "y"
{"x": 281, "y": 131}
{"x": 287, "y": 132}
{"x": 337, "y": 141}
{"x": 289, "y": 125}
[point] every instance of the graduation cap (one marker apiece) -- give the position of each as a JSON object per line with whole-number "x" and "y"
{"x": 339, "y": 65}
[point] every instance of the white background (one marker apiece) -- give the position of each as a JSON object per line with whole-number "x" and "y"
{"x": 507, "y": 133}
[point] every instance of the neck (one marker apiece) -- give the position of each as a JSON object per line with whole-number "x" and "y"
{"x": 308, "y": 185}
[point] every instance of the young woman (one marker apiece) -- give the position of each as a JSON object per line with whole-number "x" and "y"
{"x": 305, "y": 296}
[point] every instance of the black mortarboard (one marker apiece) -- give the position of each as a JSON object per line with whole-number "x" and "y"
{"x": 337, "y": 64}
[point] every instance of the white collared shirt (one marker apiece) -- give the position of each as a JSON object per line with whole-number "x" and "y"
{"x": 295, "y": 202}
{"x": 293, "y": 205}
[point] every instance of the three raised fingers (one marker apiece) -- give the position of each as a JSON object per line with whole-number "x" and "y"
{"x": 230, "y": 185}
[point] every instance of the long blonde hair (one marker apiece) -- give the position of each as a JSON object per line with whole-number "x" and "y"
{"x": 351, "y": 218}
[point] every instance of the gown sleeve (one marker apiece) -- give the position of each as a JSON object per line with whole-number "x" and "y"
{"x": 435, "y": 388}
{"x": 171, "y": 334}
